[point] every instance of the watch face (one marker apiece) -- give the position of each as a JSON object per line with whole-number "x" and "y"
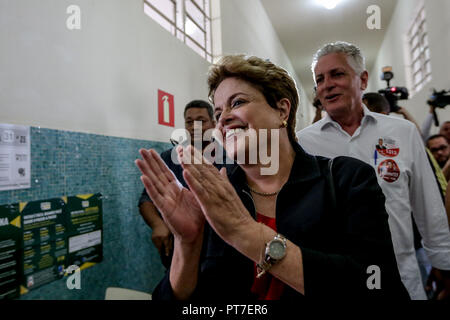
{"x": 276, "y": 249}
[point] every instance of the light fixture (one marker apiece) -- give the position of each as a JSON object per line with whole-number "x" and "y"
{"x": 329, "y": 4}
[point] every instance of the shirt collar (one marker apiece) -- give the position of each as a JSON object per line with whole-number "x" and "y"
{"x": 367, "y": 116}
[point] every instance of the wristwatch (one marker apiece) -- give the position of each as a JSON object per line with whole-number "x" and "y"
{"x": 275, "y": 251}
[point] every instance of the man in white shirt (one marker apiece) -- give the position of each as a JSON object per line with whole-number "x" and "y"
{"x": 402, "y": 168}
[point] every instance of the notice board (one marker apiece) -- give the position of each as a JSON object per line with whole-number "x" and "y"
{"x": 10, "y": 240}
{"x": 39, "y": 240}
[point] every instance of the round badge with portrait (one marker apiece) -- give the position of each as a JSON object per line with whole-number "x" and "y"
{"x": 389, "y": 171}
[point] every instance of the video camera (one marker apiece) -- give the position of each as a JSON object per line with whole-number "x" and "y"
{"x": 392, "y": 94}
{"x": 439, "y": 99}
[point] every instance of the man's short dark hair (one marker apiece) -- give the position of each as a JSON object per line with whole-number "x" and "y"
{"x": 376, "y": 102}
{"x": 435, "y": 136}
{"x": 202, "y": 105}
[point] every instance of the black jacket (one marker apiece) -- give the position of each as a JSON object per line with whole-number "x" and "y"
{"x": 337, "y": 244}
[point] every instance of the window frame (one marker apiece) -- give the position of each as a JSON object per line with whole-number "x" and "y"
{"x": 178, "y": 24}
{"x": 418, "y": 51}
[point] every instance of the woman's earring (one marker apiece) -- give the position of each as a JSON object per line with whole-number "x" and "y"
{"x": 285, "y": 124}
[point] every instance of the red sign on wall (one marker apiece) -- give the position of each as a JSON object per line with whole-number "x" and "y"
{"x": 166, "y": 109}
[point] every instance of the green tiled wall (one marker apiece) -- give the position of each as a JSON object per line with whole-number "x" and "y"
{"x": 71, "y": 163}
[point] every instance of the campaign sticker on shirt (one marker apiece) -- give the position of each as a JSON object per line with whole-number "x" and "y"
{"x": 387, "y": 147}
{"x": 388, "y": 170}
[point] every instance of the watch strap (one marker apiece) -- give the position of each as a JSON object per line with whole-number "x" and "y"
{"x": 268, "y": 262}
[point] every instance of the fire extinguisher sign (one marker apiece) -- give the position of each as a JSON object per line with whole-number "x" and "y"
{"x": 166, "y": 109}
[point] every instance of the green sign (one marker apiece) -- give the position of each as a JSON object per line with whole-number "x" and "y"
{"x": 84, "y": 230}
{"x": 40, "y": 240}
{"x": 44, "y": 242}
{"x": 10, "y": 239}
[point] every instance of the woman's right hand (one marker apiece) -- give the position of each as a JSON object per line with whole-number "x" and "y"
{"x": 178, "y": 206}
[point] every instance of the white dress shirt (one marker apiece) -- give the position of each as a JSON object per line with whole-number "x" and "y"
{"x": 406, "y": 178}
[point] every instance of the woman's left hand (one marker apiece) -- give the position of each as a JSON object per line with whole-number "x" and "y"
{"x": 177, "y": 205}
{"x": 218, "y": 200}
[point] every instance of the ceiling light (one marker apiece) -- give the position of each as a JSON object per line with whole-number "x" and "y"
{"x": 329, "y": 4}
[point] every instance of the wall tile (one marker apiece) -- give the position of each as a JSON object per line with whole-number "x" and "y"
{"x": 71, "y": 163}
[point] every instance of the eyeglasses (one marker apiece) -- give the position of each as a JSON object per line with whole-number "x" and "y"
{"x": 441, "y": 148}
{"x": 174, "y": 142}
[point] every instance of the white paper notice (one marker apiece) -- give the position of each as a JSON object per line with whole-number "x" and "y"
{"x": 85, "y": 240}
{"x": 15, "y": 157}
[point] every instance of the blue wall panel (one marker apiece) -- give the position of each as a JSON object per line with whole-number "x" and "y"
{"x": 71, "y": 163}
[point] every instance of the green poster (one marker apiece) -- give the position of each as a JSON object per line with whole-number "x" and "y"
{"x": 84, "y": 230}
{"x": 10, "y": 239}
{"x": 44, "y": 241}
{"x": 39, "y": 240}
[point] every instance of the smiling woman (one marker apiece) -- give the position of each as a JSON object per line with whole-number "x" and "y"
{"x": 243, "y": 112}
{"x": 244, "y": 234}
{"x": 267, "y": 80}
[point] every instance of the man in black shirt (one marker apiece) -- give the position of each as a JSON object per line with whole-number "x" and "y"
{"x": 197, "y": 110}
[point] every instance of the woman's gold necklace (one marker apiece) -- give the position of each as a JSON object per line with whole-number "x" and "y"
{"x": 264, "y": 194}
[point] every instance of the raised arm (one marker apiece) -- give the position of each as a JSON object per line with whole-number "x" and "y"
{"x": 426, "y": 125}
{"x": 363, "y": 234}
{"x": 408, "y": 116}
{"x": 183, "y": 216}
{"x": 229, "y": 218}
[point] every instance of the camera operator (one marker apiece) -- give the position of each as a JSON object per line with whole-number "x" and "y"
{"x": 439, "y": 99}
{"x": 444, "y": 130}
{"x": 378, "y": 103}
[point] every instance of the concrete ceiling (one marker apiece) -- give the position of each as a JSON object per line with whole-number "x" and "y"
{"x": 303, "y": 26}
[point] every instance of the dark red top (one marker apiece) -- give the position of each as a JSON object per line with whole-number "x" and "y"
{"x": 267, "y": 287}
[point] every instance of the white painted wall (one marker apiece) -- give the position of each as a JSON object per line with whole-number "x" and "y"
{"x": 104, "y": 78}
{"x": 246, "y": 28}
{"x": 101, "y": 79}
{"x": 392, "y": 54}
